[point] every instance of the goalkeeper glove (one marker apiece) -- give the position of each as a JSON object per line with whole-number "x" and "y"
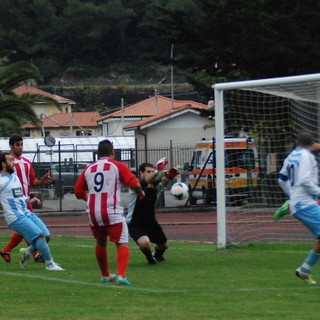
{"x": 161, "y": 164}
{"x": 171, "y": 174}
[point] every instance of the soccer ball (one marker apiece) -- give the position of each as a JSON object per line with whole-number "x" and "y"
{"x": 179, "y": 191}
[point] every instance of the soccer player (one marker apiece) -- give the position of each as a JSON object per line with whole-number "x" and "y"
{"x": 19, "y": 218}
{"x": 299, "y": 180}
{"x": 142, "y": 223}
{"x": 28, "y": 179}
{"x": 100, "y": 185}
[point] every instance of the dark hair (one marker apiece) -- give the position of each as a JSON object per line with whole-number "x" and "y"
{"x": 144, "y": 165}
{"x": 14, "y": 138}
{"x": 3, "y": 158}
{"x": 305, "y": 139}
{"x": 105, "y": 148}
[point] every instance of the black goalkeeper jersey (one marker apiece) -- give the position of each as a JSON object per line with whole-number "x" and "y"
{"x": 144, "y": 210}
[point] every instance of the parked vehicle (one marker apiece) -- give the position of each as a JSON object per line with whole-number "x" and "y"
{"x": 241, "y": 170}
{"x": 69, "y": 175}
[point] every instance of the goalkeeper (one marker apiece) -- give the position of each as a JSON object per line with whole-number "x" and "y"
{"x": 299, "y": 180}
{"x": 143, "y": 226}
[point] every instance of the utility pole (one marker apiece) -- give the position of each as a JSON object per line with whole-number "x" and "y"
{"x": 156, "y": 107}
{"x": 122, "y": 115}
{"x": 172, "y": 93}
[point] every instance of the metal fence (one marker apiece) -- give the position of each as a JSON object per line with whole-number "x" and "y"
{"x": 178, "y": 157}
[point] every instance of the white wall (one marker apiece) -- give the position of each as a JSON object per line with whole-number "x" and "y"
{"x": 113, "y": 127}
{"x": 183, "y": 130}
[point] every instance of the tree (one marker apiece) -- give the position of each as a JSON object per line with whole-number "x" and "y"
{"x": 242, "y": 39}
{"x": 15, "y": 110}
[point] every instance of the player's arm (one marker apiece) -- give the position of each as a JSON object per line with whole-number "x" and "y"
{"x": 129, "y": 179}
{"x": 316, "y": 147}
{"x": 156, "y": 177}
{"x": 306, "y": 178}
{"x": 33, "y": 200}
{"x": 283, "y": 179}
{"x": 138, "y": 190}
{"x": 45, "y": 179}
{"x": 81, "y": 188}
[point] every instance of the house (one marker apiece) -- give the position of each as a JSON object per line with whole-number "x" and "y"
{"x": 45, "y": 108}
{"x": 65, "y": 124}
{"x": 159, "y": 121}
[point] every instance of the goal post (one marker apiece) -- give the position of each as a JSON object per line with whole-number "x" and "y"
{"x": 274, "y": 109}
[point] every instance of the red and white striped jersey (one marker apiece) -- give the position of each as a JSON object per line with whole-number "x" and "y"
{"x": 101, "y": 183}
{"x": 25, "y": 173}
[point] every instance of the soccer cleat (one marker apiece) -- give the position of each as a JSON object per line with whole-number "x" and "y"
{"x": 282, "y": 211}
{"x": 159, "y": 257}
{"x": 122, "y": 281}
{"x": 111, "y": 277}
{"x": 306, "y": 277}
{"x": 6, "y": 256}
{"x": 38, "y": 258}
{"x": 53, "y": 267}
{"x": 24, "y": 258}
{"x": 152, "y": 261}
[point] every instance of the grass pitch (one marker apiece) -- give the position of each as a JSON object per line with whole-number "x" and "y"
{"x": 196, "y": 282}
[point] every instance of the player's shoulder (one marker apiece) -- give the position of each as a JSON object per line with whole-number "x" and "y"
{"x": 22, "y": 160}
{"x": 117, "y": 163}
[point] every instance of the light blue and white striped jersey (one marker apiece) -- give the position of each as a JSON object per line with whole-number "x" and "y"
{"x": 12, "y": 200}
{"x": 299, "y": 179}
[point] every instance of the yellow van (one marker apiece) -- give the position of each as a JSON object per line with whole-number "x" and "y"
{"x": 241, "y": 170}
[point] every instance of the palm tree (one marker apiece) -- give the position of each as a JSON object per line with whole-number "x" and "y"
{"x": 16, "y": 110}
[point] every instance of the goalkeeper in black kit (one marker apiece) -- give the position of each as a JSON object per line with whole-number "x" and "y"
{"x": 143, "y": 226}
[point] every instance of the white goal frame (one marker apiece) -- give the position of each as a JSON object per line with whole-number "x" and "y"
{"x": 219, "y": 89}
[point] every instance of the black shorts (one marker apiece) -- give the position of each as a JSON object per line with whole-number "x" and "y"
{"x": 153, "y": 231}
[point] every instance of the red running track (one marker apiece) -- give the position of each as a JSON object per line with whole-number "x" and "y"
{"x": 193, "y": 226}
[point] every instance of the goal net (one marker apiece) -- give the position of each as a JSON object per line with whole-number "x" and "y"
{"x": 269, "y": 113}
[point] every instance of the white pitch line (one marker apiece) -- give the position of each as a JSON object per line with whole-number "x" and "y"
{"x": 90, "y": 283}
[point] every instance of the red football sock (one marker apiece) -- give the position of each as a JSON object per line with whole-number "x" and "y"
{"x": 14, "y": 241}
{"x": 123, "y": 255}
{"x": 102, "y": 259}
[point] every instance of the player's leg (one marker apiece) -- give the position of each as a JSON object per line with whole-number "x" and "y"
{"x": 157, "y": 236}
{"x": 282, "y": 211}
{"x": 140, "y": 236}
{"x": 13, "y": 242}
{"x": 310, "y": 217}
{"x": 32, "y": 233}
{"x": 145, "y": 247}
{"x": 36, "y": 255}
{"x": 118, "y": 233}
{"x": 101, "y": 253}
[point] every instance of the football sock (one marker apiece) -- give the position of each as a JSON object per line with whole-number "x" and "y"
{"x": 14, "y": 241}
{"x": 311, "y": 260}
{"x": 147, "y": 252}
{"x": 42, "y": 246}
{"x": 123, "y": 255}
{"x": 102, "y": 259}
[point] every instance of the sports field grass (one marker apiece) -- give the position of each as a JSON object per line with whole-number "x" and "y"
{"x": 196, "y": 282}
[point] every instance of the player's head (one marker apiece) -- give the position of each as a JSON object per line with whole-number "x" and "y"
{"x": 6, "y": 162}
{"x": 305, "y": 139}
{"x": 16, "y": 145}
{"x": 105, "y": 149}
{"x": 145, "y": 169}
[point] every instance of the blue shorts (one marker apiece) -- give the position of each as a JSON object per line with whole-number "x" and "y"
{"x": 30, "y": 227}
{"x": 310, "y": 217}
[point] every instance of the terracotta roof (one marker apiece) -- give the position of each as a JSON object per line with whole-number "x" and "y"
{"x": 152, "y": 106}
{"x": 159, "y": 116}
{"x": 34, "y": 91}
{"x": 61, "y": 120}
